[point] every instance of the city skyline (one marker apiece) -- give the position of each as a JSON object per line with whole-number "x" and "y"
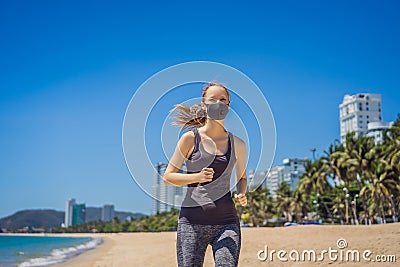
{"x": 75, "y": 213}
{"x": 65, "y": 84}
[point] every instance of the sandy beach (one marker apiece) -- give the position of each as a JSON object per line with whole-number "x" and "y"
{"x": 158, "y": 249}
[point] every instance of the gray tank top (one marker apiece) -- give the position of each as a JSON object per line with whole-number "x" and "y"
{"x": 210, "y": 202}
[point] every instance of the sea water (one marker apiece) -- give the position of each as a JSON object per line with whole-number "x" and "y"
{"x": 42, "y": 250}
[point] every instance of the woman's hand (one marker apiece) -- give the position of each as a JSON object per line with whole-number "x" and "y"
{"x": 205, "y": 175}
{"x": 241, "y": 198}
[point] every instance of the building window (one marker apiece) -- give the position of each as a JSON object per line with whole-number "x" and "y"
{"x": 367, "y": 117}
{"x": 367, "y": 108}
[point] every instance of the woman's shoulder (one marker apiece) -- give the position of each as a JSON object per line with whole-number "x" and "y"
{"x": 188, "y": 134}
{"x": 240, "y": 146}
{"x": 188, "y": 137}
{"x": 238, "y": 141}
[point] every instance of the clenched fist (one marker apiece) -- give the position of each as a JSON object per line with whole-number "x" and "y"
{"x": 205, "y": 175}
{"x": 241, "y": 198}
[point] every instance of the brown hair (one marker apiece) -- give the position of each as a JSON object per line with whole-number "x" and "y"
{"x": 194, "y": 116}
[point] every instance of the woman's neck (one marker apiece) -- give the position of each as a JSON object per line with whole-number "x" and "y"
{"x": 214, "y": 128}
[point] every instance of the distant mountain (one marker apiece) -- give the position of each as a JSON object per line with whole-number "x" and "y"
{"x": 51, "y": 218}
{"x": 33, "y": 218}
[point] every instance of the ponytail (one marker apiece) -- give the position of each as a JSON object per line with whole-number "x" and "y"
{"x": 194, "y": 116}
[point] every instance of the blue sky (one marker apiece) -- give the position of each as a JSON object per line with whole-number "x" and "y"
{"x": 69, "y": 69}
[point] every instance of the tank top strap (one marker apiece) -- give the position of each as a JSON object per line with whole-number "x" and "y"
{"x": 196, "y": 139}
{"x": 232, "y": 144}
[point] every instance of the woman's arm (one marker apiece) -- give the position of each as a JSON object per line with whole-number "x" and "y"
{"x": 182, "y": 150}
{"x": 241, "y": 178}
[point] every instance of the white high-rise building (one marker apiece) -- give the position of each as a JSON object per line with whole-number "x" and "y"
{"x": 166, "y": 196}
{"x": 357, "y": 111}
{"x": 107, "y": 213}
{"x": 69, "y": 212}
{"x": 158, "y": 189}
{"x": 294, "y": 168}
{"x": 275, "y": 177}
{"x": 289, "y": 172}
{"x": 255, "y": 179}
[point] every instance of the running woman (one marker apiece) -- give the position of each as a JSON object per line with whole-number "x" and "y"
{"x": 208, "y": 215}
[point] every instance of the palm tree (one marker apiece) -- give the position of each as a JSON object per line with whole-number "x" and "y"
{"x": 299, "y": 205}
{"x": 284, "y": 200}
{"x": 338, "y": 207}
{"x": 391, "y": 155}
{"x": 314, "y": 181}
{"x": 352, "y": 161}
{"x": 392, "y": 146}
{"x": 337, "y": 159}
{"x": 380, "y": 186}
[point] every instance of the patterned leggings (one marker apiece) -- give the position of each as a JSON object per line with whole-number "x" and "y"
{"x": 193, "y": 239}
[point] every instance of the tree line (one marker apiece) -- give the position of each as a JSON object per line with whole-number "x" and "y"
{"x": 162, "y": 221}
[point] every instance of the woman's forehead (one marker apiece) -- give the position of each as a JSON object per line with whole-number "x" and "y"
{"x": 216, "y": 91}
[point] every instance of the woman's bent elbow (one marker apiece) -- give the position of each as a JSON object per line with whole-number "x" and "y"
{"x": 167, "y": 179}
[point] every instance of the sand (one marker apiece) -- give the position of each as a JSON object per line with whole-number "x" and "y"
{"x": 158, "y": 249}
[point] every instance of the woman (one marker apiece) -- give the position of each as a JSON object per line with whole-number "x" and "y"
{"x": 208, "y": 214}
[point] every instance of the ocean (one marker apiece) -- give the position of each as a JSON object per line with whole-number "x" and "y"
{"x": 42, "y": 250}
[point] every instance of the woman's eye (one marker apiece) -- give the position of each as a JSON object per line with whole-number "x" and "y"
{"x": 212, "y": 100}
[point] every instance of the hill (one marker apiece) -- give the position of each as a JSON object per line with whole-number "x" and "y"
{"x": 48, "y": 219}
{"x": 32, "y": 218}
